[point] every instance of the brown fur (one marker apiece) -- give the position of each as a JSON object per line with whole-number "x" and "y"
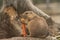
{"x": 11, "y": 12}
{"x": 7, "y": 23}
{"x": 7, "y": 30}
{"x": 36, "y": 25}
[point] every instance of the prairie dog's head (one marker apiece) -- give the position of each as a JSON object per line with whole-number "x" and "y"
{"x": 11, "y": 12}
{"x": 29, "y": 15}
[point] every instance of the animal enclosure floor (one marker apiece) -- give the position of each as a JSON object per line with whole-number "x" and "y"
{"x": 27, "y": 38}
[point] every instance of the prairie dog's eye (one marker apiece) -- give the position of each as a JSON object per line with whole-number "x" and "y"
{"x": 26, "y": 13}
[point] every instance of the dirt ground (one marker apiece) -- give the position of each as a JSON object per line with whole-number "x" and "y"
{"x": 27, "y": 38}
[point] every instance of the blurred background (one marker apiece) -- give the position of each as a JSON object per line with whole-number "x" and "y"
{"x": 51, "y": 7}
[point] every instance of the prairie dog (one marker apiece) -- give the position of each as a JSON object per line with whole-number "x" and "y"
{"x": 36, "y": 25}
{"x": 11, "y": 12}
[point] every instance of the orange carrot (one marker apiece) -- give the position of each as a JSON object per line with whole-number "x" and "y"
{"x": 23, "y": 27}
{"x": 24, "y": 30}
